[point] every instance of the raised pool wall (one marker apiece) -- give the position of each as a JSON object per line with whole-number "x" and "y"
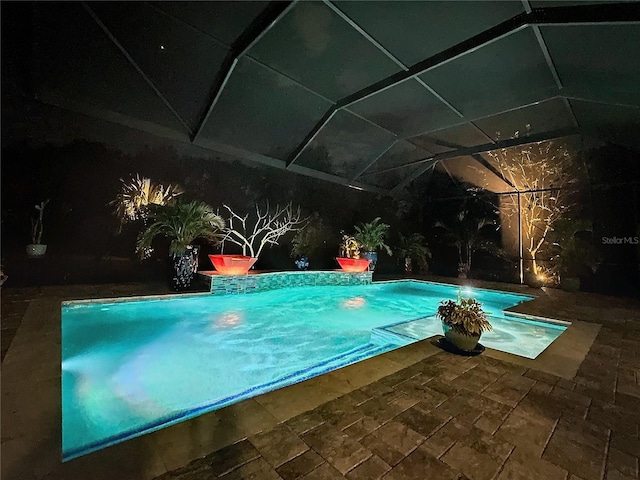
{"x": 260, "y": 282}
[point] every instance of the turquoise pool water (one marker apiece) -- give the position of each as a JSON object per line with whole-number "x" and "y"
{"x": 131, "y": 367}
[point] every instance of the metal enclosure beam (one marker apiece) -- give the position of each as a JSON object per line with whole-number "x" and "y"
{"x": 478, "y": 158}
{"x": 264, "y": 22}
{"x": 547, "y": 56}
{"x": 370, "y": 164}
{"x": 410, "y": 178}
{"x": 487, "y": 147}
{"x": 310, "y": 136}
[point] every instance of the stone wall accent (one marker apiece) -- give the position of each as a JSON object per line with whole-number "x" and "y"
{"x": 260, "y": 282}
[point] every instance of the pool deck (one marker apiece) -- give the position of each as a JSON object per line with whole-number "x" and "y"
{"x": 413, "y": 413}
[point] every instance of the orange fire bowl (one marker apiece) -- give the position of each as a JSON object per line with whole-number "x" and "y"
{"x": 232, "y": 264}
{"x": 353, "y": 264}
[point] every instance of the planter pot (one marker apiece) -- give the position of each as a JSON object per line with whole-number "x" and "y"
{"x": 184, "y": 267}
{"x": 570, "y": 284}
{"x": 373, "y": 256}
{"x": 408, "y": 266}
{"x": 232, "y": 264}
{"x": 353, "y": 264}
{"x": 302, "y": 262}
{"x": 462, "y": 342}
{"x": 463, "y": 270}
{"x": 36, "y": 250}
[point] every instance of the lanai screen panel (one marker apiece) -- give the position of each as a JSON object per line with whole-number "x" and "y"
{"x": 469, "y": 170}
{"x": 597, "y": 62}
{"x": 414, "y": 31}
{"x": 429, "y": 144}
{"x": 548, "y": 116}
{"x": 499, "y": 76}
{"x": 388, "y": 179}
{"x": 92, "y": 76}
{"x": 401, "y": 153}
{"x": 614, "y": 123}
{"x": 345, "y": 146}
{"x": 223, "y": 20}
{"x": 465, "y": 135}
{"x": 181, "y": 61}
{"x": 407, "y": 109}
{"x": 264, "y": 112}
{"x": 316, "y": 47}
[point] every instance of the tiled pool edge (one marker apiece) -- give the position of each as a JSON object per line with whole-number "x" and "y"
{"x": 264, "y": 281}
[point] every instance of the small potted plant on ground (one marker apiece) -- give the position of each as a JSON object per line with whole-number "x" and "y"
{"x": 36, "y": 248}
{"x": 463, "y": 322}
{"x": 182, "y": 223}
{"x": 576, "y": 255}
{"x": 308, "y": 240}
{"x": 414, "y": 249}
{"x": 371, "y": 237}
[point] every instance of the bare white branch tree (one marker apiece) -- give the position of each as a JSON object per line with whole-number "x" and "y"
{"x": 266, "y": 229}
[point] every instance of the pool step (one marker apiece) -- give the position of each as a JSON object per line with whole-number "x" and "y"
{"x": 381, "y": 336}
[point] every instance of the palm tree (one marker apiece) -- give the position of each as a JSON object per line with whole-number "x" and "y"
{"x": 183, "y": 223}
{"x": 137, "y": 195}
{"x": 466, "y": 233}
{"x": 413, "y": 247}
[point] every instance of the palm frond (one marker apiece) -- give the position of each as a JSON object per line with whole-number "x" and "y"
{"x": 182, "y": 223}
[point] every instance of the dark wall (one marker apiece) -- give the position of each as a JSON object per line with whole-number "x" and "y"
{"x": 614, "y": 174}
{"x": 82, "y": 177}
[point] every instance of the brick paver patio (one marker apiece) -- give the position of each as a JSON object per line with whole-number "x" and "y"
{"x": 453, "y": 417}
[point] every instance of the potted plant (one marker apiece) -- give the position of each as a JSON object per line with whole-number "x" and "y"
{"x": 182, "y": 223}
{"x": 349, "y": 255}
{"x": 414, "y": 249}
{"x": 467, "y": 231}
{"x": 371, "y": 237}
{"x": 308, "y": 240}
{"x": 36, "y": 248}
{"x": 576, "y": 256}
{"x": 463, "y": 322}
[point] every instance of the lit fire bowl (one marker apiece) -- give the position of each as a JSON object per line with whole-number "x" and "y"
{"x": 353, "y": 264}
{"x": 232, "y": 264}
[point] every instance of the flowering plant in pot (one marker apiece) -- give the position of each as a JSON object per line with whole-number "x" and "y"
{"x": 36, "y": 248}
{"x": 463, "y": 321}
{"x": 349, "y": 255}
{"x": 182, "y": 223}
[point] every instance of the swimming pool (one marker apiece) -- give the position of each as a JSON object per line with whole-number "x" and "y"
{"x": 131, "y": 367}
